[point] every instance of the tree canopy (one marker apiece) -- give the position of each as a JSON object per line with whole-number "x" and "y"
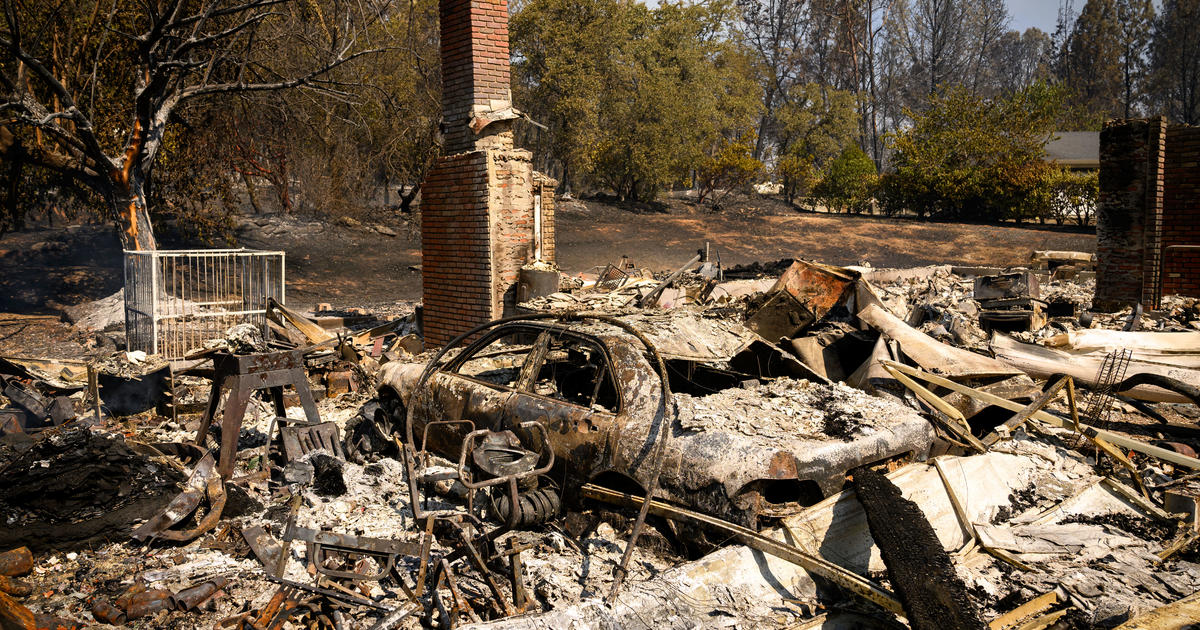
{"x": 188, "y": 110}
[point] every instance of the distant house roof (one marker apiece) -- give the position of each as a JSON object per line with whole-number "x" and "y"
{"x": 1075, "y": 149}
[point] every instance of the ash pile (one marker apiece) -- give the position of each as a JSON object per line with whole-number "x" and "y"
{"x": 785, "y": 444}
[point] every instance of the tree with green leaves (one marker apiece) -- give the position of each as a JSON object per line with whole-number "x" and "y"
{"x": 729, "y": 166}
{"x": 974, "y": 159}
{"x": 849, "y": 185}
{"x": 633, "y": 96}
{"x": 816, "y": 124}
{"x": 1090, "y": 64}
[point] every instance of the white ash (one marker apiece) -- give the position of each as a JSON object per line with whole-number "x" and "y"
{"x": 376, "y": 503}
{"x": 558, "y": 575}
{"x": 788, "y": 408}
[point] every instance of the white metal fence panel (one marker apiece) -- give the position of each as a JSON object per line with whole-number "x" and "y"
{"x": 175, "y": 300}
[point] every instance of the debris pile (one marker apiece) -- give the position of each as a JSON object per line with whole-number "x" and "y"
{"x": 858, "y": 447}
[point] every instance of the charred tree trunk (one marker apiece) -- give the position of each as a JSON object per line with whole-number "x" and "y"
{"x": 406, "y": 199}
{"x": 250, "y": 192}
{"x": 127, "y": 202}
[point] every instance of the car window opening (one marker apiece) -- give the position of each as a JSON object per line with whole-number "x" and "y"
{"x": 575, "y": 371}
{"x": 499, "y": 362}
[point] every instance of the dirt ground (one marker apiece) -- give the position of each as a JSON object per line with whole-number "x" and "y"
{"x": 376, "y": 266}
{"x": 592, "y": 234}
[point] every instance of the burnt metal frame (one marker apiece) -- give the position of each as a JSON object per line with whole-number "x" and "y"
{"x": 665, "y": 407}
{"x": 242, "y": 375}
{"x": 468, "y": 353}
{"x": 174, "y": 297}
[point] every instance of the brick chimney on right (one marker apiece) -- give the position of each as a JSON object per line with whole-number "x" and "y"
{"x": 484, "y": 212}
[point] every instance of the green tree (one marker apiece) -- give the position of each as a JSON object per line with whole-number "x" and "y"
{"x": 973, "y": 159}
{"x": 729, "y": 166}
{"x": 1090, "y": 64}
{"x": 849, "y": 185}
{"x": 1068, "y": 195}
{"x": 816, "y": 122}
{"x": 633, "y": 96}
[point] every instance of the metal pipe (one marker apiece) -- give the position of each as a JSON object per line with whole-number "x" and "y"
{"x": 821, "y": 567}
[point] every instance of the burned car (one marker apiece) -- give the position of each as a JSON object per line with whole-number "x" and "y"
{"x": 601, "y": 393}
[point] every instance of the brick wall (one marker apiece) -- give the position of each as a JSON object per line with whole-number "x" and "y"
{"x": 1152, "y": 222}
{"x": 1131, "y": 198}
{"x": 1180, "y": 223}
{"x": 545, "y": 186}
{"x": 475, "y": 69}
{"x": 477, "y": 201}
{"x": 456, "y": 262}
{"x": 512, "y": 222}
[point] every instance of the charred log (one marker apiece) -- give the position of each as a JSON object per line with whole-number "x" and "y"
{"x": 923, "y": 577}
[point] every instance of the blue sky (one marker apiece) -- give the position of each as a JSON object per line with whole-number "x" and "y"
{"x": 1039, "y": 13}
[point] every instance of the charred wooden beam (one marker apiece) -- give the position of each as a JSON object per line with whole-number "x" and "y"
{"x": 934, "y": 597}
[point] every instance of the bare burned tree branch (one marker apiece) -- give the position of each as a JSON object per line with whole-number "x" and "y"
{"x": 176, "y": 51}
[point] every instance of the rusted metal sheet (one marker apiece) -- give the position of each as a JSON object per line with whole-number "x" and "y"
{"x": 819, "y": 287}
{"x": 264, "y": 546}
{"x": 15, "y": 562}
{"x": 204, "y": 481}
{"x": 323, "y": 544}
{"x": 300, "y": 440}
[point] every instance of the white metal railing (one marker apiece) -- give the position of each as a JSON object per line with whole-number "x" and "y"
{"x": 175, "y": 300}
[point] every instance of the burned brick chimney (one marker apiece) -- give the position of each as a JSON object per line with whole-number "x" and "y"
{"x": 483, "y": 209}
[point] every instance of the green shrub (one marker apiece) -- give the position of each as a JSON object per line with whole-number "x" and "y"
{"x": 850, "y": 184}
{"x": 974, "y": 159}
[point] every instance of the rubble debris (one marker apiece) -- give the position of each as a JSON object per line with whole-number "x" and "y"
{"x": 1010, "y": 302}
{"x": 99, "y": 315}
{"x": 76, "y": 485}
{"x": 17, "y": 617}
{"x": 931, "y": 354}
{"x": 203, "y": 482}
{"x": 244, "y": 338}
{"x": 920, "y": 570}
{"x": 310, "y": 331}
{"x": 409, "y": 522}
{"x": 818, "y": 566}
{"x": 1179, "y": 348}
{"x": 1108, "y": 436}
{"x": 327, "y": 475}
{"x": 300, "y": 440}
{"x": 1051, "y": 260}
{"x": 1180, "y": 614}
{"x": 804, "y": 293}
{"x": 1042, "y": 362}
{"x": 326, "y": 550}
{"x": 35, "y": 412}
{"x": 650, "y": 299}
